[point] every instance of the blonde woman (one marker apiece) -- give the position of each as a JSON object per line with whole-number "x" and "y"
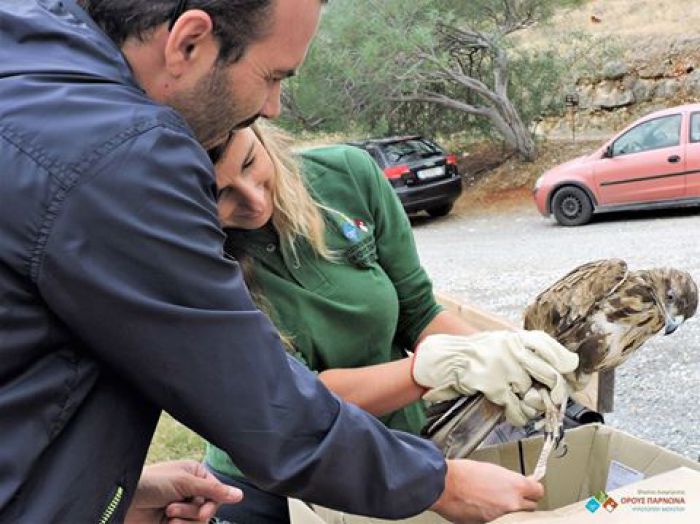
{"x": 329, "y": 254}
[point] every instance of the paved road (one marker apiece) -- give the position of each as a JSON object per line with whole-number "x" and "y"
{"x": 501, "y": 260}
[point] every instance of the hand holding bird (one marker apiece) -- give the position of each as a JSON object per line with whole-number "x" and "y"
{"x": 602, "y": 312}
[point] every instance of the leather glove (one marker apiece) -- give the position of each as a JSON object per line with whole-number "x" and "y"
{"x": 500, "y": 364}
{"x": 574, "y": 381}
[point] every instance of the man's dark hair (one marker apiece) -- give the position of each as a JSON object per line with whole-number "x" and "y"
{"x": 237, "y": 23}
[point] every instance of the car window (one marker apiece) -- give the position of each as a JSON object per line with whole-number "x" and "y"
{"x": 695, "y": 127}
{"x": 405, "y": 149}
{"x": 375, "y": 154}
{"x": 654, "y": 134}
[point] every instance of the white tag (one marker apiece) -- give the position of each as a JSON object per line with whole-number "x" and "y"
{"x": 620, "y": 475}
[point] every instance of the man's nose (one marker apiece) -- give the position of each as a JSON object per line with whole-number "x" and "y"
{"x": 273, "y": 105}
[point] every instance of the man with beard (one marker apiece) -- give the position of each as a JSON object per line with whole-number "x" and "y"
{"x": 116, "y": 300}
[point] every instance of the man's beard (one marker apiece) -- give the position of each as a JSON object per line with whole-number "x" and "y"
{"x": 210, "y": 108}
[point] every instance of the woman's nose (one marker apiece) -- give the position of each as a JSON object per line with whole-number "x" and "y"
{"x": 253, "y": 198}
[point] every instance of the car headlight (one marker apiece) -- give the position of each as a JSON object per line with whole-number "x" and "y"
{"x": 539, "y": 182}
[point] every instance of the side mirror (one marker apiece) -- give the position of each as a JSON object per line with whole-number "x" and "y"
{"x": 608, "y": 153}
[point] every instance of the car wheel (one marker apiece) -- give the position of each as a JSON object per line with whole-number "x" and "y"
{"x": 571, "y": 206}
{"x": 440, "y": 211}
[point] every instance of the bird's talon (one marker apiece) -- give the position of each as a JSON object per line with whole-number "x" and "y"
{"x": 559, "y": 436}
{"x": 561, "y": 451}
{"x": 557, "y": 440}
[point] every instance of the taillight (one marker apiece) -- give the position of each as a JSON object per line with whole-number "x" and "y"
{"x": 396, "y": 171}
{"x": 451, "y": 160}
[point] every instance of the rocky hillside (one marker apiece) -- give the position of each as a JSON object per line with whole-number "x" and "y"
{"x": 656, "y": 62}
{"x": 664, "y": 76}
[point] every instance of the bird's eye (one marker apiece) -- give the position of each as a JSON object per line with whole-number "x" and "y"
{"x": 670, "y": 294}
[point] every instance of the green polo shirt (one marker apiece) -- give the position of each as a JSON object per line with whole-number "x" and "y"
{"x": 369, "y": 304}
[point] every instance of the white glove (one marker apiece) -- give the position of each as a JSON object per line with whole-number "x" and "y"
{"x": 499, "y": 364}
{"x": 574, "y": 382}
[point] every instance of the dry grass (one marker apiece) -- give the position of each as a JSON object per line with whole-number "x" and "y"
{"x": 174, "y": 441}
{"x": 510, "y": 184}
{"x": 630, "y": 20}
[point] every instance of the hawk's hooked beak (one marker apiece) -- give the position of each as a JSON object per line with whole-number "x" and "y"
{"x": 672, "y": 324}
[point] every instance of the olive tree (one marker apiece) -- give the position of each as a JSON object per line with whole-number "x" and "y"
{"x": 376, "y": 61}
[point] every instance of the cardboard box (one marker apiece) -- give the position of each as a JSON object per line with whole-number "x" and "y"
{"x": 605, "y": 476}
{"x": 632, "y": 472}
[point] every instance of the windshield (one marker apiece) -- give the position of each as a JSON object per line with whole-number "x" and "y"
{"x": 404, "y": 150}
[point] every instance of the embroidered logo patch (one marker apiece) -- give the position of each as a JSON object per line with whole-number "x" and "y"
{"x": 350, "y": 231}
{"x": 361, "y": 224}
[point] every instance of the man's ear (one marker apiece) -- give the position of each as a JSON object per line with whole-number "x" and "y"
{"x": 191, "y": 43}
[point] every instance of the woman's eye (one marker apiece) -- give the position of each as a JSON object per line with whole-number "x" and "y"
{"x": 222, "y": 193}
{"x": 249, "y": 162}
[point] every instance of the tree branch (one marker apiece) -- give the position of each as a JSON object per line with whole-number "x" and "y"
{"x": 443, "y": 100}
{"x": 471, "y": 83}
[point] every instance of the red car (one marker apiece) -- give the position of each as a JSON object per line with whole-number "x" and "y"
{"x": 655, "y": 162}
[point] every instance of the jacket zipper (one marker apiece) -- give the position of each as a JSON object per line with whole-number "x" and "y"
{"x": 111, "y": 508}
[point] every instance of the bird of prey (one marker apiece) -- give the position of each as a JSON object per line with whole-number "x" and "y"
{"x": 603, "y": 312}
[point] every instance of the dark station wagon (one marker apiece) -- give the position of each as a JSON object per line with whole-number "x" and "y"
{"x": 423, "y": 175}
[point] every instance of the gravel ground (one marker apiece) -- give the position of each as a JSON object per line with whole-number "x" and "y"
{"x": 501, "y": 260}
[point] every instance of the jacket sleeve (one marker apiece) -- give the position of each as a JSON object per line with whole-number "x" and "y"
{"x": 133, "y": 264}
{"x": 396, "y": 250}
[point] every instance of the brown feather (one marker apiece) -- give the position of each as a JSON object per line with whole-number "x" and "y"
{"x": 600, "y": 311}
{"x": 604, "y": 313}
{"x": 571, "y": 299}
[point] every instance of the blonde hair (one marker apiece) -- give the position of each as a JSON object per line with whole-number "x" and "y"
{"x": 295, "y": 215}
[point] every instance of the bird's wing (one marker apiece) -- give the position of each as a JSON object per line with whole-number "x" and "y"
{"x": 571, "y": 299}
{"x": 632, "y": 315}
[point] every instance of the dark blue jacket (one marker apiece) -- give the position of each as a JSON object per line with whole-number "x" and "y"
{"x": 116, "y": 301}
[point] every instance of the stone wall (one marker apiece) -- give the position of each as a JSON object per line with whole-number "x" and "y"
{"x": 649, "y": 78}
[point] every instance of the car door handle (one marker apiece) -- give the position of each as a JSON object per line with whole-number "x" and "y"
{"x": 674, "y": 159}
